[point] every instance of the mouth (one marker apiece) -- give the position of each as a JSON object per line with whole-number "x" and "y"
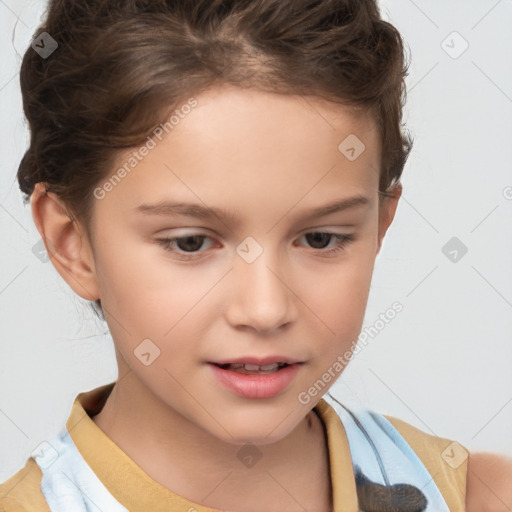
{"x": 252, "y": 369}
{"x": 251, "y": 380}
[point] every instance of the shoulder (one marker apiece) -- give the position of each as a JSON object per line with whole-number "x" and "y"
{"x": 444, "y": 459}
{"x": 22, "y": 491}
{"x": 489, "y": 483}
{"x": 392, "y": 452}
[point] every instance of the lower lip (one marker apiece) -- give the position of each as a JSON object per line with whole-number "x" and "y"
{"x": 256, "y": 386}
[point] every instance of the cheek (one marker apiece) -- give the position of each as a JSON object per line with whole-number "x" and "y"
{"x": 341, "y": 290}
{"x": 146, "y": 296}
{"x": 338, "y": 299}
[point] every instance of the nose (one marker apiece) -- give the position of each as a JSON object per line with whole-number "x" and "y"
{"x": 261, "y": 295}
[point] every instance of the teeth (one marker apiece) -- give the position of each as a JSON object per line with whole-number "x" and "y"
{"x": 254, "y": 367}
{"x": 251, "y": 367}
{"x": 272, "y": 366}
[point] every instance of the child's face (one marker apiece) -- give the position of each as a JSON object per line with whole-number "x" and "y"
{"x": 267, "y": 160}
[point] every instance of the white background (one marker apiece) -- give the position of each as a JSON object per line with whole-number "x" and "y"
{"x": 443, "y": 364}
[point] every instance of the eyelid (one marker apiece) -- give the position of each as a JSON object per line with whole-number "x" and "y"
{"x": 188, "y": 232}
{"x": 342, "y": 241}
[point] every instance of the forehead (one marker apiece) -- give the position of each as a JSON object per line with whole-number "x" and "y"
{"x": 227, "y": 113}
{"x": 244, "y": 142}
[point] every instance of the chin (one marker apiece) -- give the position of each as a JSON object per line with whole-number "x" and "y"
{"x": 249, "y": 431}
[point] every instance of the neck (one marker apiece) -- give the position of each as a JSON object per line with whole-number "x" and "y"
{"x": 290, "y": 474}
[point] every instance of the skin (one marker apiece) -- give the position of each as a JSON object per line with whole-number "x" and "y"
{"x": 489, "y": 478}
{"x": 267, "y": 159}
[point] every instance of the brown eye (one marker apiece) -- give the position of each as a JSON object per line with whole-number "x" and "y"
{"x": 190, "y": 243}
{"x": 183, "y": 245}
{"x": 320, "y": 240}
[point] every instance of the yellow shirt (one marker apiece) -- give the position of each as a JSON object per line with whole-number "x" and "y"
{"x": 137, "y": 492}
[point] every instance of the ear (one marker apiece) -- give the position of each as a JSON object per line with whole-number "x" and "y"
{"x": 65, "y": 241}
{"x": 387, "y": 209}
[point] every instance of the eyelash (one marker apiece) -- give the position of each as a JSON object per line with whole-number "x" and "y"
{"x": 343, "y": 241}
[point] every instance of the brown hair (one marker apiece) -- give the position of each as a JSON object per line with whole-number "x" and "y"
{"x": 121, "y": 67}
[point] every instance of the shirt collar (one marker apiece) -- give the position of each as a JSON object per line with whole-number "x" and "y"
{"x": 136, "y": 491}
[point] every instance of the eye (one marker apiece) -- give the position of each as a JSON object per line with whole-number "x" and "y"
{"x": 319, "y": 237}
{"x": 187, "y": 247}
{"x": 188, "y": 244}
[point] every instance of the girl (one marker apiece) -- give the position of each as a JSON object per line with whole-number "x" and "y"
{"x": 269, "y": 133}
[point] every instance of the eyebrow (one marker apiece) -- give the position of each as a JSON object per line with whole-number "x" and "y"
{"x": 204, "y": 212}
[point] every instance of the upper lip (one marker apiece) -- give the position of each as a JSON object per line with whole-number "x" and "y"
{"x": 259, "y": 361}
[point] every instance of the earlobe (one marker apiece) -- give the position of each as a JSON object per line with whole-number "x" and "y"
{"x": 387, "y": 210}
{"x": 66, "y": 244}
